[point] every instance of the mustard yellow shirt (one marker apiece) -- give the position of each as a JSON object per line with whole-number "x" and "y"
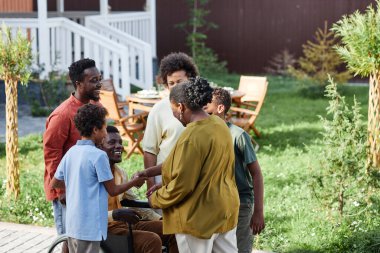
{"x": 199, "y": 194}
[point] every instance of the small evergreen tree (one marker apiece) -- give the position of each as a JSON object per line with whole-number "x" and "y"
{"x": 343, "y": 152}
{"x": 196, "y": 28}
{"x": 320, "y": 60}
{"x": 15, "y": 60}
{"x": 280, "y": 63}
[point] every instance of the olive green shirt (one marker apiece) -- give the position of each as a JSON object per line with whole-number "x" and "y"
{"x": 244, "y": 155}
{"x": 199, "y": 195}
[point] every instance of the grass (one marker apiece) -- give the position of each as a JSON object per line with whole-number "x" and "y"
{"x": 289, "y": 147}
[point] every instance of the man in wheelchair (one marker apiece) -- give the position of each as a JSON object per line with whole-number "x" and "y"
{"x": 147, "y": 228}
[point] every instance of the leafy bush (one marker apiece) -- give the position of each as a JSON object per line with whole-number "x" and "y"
{"x": 343, "y": 151}
{"x": 53, "y": 91}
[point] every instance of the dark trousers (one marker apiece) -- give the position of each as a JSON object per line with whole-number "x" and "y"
{"x": 147, "y": 236}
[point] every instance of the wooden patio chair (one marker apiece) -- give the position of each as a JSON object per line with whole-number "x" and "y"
{"x": 245, "y": 112}
{"x": 107, "y": 85}
{"x": 131, "y": 127}
{"x": 254, "y": 87}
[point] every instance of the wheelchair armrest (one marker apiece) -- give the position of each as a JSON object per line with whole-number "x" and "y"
{"x": 135, "y": 203}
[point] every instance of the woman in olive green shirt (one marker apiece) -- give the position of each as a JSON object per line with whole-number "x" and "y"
{"x": 198, "y": 196}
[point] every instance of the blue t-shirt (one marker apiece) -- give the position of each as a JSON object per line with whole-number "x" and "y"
{"x": 83, "y": 168}
{"x": 244, "y": 155}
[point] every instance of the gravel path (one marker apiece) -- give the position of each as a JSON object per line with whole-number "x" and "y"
{"x": 26, "y": 123}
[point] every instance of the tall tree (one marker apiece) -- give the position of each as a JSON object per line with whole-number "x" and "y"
{"x": 196, "y": 28}
{"x": 15, "y": 60}
{"x": 360, "y": 36}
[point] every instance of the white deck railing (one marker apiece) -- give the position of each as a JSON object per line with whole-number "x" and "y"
{"x": 122, "y": 44}
{"x": 136, "y": 24}
{"x": 76, "y": 16}
{"x": 139, "y": 52}
{"x": 69, "y": 41}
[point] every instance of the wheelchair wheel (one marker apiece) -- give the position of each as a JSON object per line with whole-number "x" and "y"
{"x": 58, "y": 244}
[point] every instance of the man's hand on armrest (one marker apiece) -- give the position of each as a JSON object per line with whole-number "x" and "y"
{"x": 126, "y": 215}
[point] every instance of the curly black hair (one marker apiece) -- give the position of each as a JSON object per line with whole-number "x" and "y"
{"x": 177, "y": 61}
{"x": 194, "y": 93}
{"x": 112, "y": 129}
{"x": 77, "y": 68}
{"x": 89, "y": 116}
{"x": 222, "y": 97}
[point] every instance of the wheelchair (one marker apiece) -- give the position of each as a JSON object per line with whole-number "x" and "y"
{"x": 114, "y": 243}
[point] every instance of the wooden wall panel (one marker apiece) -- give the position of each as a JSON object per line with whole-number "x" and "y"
{"x": 16, "y": 5}
{"x": 250, "y": 31}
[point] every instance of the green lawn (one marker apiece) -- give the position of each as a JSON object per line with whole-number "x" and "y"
{"x": 289, "y": 147}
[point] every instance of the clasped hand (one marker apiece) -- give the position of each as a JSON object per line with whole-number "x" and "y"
{"x": 139, "y": 178}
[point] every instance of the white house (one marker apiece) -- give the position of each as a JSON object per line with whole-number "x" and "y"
{"x": 122, "y": 44}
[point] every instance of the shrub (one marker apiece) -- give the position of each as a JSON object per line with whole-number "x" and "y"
{"x": 343, "y": 153}
{"x": 53, "y": 91}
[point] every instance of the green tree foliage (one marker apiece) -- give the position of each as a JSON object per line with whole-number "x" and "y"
{"x": 343, "y": 152}
{"x": 320, "y": 60}
{"x": 196, "y": 28}
{"x": 15, "y": 56}
{"x": 360, "y": 36}
{"x": 360, "y": 49}
{"x": 15, "y": 60}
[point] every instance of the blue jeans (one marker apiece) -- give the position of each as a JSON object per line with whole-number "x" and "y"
{"x": 59, "y": 217}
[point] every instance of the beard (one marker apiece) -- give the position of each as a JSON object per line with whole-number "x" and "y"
{"x": 93, "y": 96}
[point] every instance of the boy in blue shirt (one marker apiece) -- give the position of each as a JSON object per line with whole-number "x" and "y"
{"x": 249, "y": 179}
{"x": 86, "y": 173}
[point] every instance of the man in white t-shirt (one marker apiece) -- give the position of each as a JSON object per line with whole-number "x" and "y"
{"x": 163, "y": 130}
